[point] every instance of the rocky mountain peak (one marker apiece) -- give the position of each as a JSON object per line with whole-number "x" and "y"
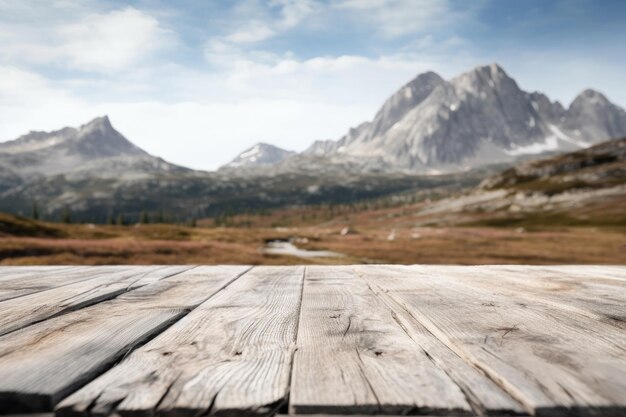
{"x": 590, "y": 97}
{"x": 98, "y": 138}
{"x": 259, "y": 154}
{"x": 93, "y": 149}
{"x": 591, "y": 114}
{"x": 102, "y": 124}
{"x": 403, "y": 101}
{"x": 425, "y": 79}
{"x": 483, "y": 79}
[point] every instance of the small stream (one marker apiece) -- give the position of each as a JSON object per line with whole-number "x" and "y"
{"x": 280, "y": 247}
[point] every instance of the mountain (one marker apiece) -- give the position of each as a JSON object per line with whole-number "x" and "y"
{"x": 478, "y": 118}
{"x": 93, "y": 149}
{"x": 586, "y": 187}
{"x": 94, "y": 172}
{"x": 260, "y": 154}
{"x": 463, "y": 129}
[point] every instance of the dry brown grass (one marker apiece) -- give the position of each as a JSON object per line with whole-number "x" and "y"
{"x": 472, "y": 246}
{"x": 367, "y": 242}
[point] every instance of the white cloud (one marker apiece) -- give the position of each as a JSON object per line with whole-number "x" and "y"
{"x": 394, "y": 18}
{"x": 207, "y": 135}
{"x": 101, "y": 42}
{"x": 29, "y": 101}
{"x": 111, "y": 41}
{"x": 253, "y": 23}
{"x": 294, "y": 11}
{"x": 255, "y": 32}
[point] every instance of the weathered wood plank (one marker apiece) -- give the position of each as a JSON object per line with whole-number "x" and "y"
{"x": 608, "y": 271}
{"x": 18, "y": 285}
{"x": 353, "y": 357}
{"x": 41, "y": 364}
{"x": 34, "y": 268}
{"x": 548, "y": 359}
{"x": 232, "y": 355}
{"x": 13, "y": 272}
{"x": 485, "y": 396}
{"x": 596, "y": 297}
{"x": 23, "y": 311}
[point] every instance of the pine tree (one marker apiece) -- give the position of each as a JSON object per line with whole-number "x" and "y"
{"x": 144, "y": 218}
{"x": 121, "y": 221}
{"x": 35, "y": 211}
{"x": 66, "y": 216}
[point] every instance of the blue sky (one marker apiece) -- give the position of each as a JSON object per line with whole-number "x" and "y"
{"x": 196, "y": 82}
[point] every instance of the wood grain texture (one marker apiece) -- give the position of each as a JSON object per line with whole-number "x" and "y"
{"x": 11, "y": 277}
{"x": 485, "y": 396}
{"x": 596, "y": 297}
{"x": 17, "y": 285}
{"x": 597, "y": 271}
{"x": 13, "y": 271}
{"x": 550, "y": 360}
{"x": 230, "y": 356}
{"x": 439, "y": 340}
{"x": 104, "y": 284}
{"x": 353, "y": 357}
{"x": 41, "y": 364}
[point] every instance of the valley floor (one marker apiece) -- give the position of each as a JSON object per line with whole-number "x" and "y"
{"x": 390, "y": 240}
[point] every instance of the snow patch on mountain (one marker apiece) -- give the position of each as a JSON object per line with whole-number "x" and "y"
{"x": 261, "y": 154}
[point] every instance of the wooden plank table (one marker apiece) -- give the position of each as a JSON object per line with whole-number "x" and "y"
{"x": 316, "y": 340}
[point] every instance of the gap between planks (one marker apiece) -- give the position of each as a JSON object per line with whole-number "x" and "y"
{"x": 105, "y": 284}
{"x": 231, "y": 355}
{"x": 552, "y": 362}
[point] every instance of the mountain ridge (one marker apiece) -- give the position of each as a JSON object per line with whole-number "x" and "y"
{"x": 482, "y": 115}
{"x": 430, "y": 133}
{"x": 479, "y": 117}
{"x": 94, "y": 147}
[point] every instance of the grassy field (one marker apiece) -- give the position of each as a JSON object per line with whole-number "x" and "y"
{"x": 362, "y": 235}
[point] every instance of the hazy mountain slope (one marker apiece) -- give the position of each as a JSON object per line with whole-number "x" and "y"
{"x": 95, "y": 149}
{"x": 600, "y": 166}
{"x": 393, "y": 110}
{"x": 259, "y": 155}
{"x": 586, "y": 186}
{"x": 592, "y": 115}
{"x": 197, "y": 195}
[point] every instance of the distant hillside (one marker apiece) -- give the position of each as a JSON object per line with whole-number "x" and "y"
{"x": 586, "y": 187}
{"x": 601, "y": 166}
{"x": 19, "y": 226}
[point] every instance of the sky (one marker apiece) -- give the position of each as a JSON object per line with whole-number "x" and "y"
{"x": 197, "y": 82}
